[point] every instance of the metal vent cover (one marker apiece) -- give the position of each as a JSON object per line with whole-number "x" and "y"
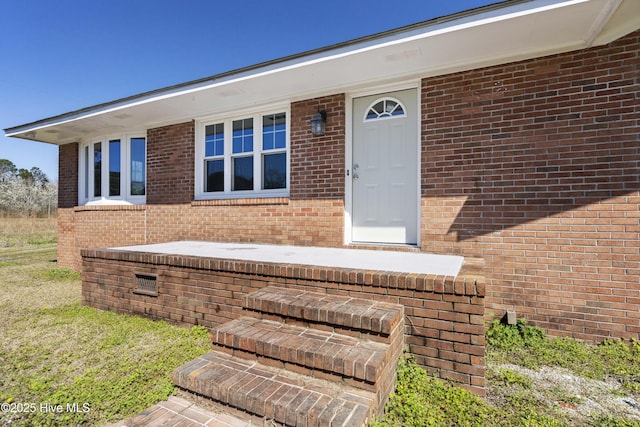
{"x": 146, "y": 285}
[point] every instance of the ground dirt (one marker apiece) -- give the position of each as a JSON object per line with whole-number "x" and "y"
{"x": 578, "y": 398}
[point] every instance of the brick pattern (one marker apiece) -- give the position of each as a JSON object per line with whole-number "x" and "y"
{"x": 317, "y": 163}
{"x": 324, "y": 350}
{"x": 68, "y": 249}
{"x": 534, "y": 166}
{"x": 348, "y": 340}
{"x": 170, "y": 158}
{"x": 86, "y": 226}
{"x": 273, "y": 394}
{"x": 444, "y": 327}
{"x": 68, "y": 175}
{"x": 281, "y": 221}
{"x": 176, "y": 411}
{"x": 530, "y": 165}
{"x": 353, "y": 313}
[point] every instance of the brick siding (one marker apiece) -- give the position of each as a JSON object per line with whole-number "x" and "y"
{"x": 170, "y": 160}
{"x": 280, "y": 220}
{"x": 532, "y": 166}
{"x": 317, "y": 163}
{"x": 68, "y": 175}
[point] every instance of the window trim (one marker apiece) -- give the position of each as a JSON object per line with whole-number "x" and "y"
{"x": 86, "y": 178}
{"x": 228, "y": 156}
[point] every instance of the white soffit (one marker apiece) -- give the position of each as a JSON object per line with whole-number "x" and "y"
{"x": 492, "y": 36}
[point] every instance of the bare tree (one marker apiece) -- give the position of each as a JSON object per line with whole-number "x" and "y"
{"x": 25, "y": 192}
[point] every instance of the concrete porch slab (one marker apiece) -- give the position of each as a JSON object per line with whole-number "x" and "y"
{"x": 364, "y": 259}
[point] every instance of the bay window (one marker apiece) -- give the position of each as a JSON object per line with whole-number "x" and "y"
{"x": 243, "y": 156}
{"x": 113, "y": 170}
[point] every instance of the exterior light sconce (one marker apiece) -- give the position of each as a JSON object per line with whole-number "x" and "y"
{"x": 318, "y": 123}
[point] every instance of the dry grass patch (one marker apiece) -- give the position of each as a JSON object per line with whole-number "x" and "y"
{"x": 19, "y": 232}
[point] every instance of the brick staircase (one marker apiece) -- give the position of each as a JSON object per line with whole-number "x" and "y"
{"x": 302, "y": 359}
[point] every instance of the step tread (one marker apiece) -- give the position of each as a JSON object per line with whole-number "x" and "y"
{"x": 274, "y": 393}
{"x": 355, "y": 313}
{"x": 314, "y": 349}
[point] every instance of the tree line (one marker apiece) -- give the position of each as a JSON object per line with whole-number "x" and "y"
{"x": 26, "y": 192}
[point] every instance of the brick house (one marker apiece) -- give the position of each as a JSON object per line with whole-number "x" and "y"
{"x": 516, "y": 141}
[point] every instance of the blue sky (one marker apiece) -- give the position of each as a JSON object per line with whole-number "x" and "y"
{"x": 63, "y": 55}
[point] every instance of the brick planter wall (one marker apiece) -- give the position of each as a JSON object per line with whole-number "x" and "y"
{"x": 444, "y": 315}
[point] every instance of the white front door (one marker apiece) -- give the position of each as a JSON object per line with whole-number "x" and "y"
{"x": 385, "y": 168}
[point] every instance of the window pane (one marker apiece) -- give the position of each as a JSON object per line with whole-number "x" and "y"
{"x": 243, "y": 173}
{"x": 376, "y": 110}
{"x": 243, "y": 136}
{"x": 97, "y": 169}
{"x": 274, "y": 131}
{"x": 214, "y": 140}
{"x": 398, "y": 111}
{"x": 274, "y": 171}
{"x": 138, "y": 181}
{"x": 214, "y": 180}
{"x": 114, "y": 167}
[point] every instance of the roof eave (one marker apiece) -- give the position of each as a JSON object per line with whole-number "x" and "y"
{"x": 603, "y": 21}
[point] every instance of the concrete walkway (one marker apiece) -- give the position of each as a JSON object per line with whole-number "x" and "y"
{"x": 178, "y": 412}
{"x": 364, "y": 259}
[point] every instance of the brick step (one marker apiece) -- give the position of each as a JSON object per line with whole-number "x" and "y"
{"x": 372, "y": 317}
{"x": 317, "y": 350}
{"x": 273, "y": 393}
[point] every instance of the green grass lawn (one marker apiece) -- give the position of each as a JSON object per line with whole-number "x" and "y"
{"x": 64, "y": 364}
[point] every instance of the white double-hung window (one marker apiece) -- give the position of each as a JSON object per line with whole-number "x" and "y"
{"x": 243, "y": 156}
{"x": 113, "y": 170}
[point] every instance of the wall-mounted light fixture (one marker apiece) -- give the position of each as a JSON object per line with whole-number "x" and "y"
{"x": 318, "y": 123}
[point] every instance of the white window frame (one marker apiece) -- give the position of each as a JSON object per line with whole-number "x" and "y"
{"x": 258, "y": 152}
{"x": 86, "y": 176}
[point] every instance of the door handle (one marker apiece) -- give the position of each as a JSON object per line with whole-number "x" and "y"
{"x": 355, "y": 176}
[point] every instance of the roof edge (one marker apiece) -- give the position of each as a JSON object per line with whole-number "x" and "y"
{"x": 14, "y": 130}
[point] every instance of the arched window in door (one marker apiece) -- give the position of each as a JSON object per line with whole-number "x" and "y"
{"x": 384, "y": 108}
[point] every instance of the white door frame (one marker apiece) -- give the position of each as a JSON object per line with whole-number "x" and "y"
{"x": 348, "y": 193}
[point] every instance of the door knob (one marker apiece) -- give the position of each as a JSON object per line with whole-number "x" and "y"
{"x": 355, "y": 176}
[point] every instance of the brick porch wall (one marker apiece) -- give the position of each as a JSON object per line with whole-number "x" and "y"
{"x": 444, "y": 325}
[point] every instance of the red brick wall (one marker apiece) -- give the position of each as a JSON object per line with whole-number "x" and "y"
{"x": 68, "y": 175}
{"x": 535, "y": 167}
{"x": 170, "y": 164}
{"x": 317, "y": 163}
{"x": 281, "y": 221}
{"x": 68, "y": 250}
{"x": 531, "y": 165}
{"x": 170, "y": 213}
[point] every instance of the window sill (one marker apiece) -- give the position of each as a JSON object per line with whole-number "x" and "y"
{"x": 250, "y": 201}
{"x": 122, "y": 207}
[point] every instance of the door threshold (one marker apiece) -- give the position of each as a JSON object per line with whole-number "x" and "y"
{"x": 406, "y": 247}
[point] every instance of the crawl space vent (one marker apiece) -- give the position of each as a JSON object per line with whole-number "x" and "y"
{"x": 146, "y": 285}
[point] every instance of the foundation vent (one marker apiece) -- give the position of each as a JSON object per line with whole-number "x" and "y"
{"x": 146, "y": 285}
